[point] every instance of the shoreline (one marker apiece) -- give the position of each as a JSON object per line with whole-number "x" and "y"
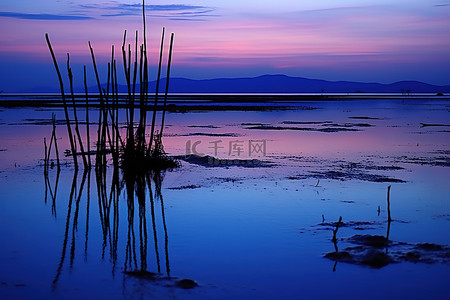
{"x": 214, "y": 101}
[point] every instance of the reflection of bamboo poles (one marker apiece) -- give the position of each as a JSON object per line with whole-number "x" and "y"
{"x": 155, "y": 235}
{"x": 56, "y": 142}
{"x": 334, "y": 239}
{"x": 136, "y": 187}
{"x": 140, "y": 194}
{"x": 116, "y": 188}
{"x": 48, "y": 151}
{"x": 75, "y": 218}
{"x": 166, "y": 236}
{"x": 66, "y": 232}
{"x": 88, "y": 200}
{"x": 48, "y": 188}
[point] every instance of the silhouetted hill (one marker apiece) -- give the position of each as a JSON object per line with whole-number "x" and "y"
{"x": 286, "y": 84}
{"x": 278, "y": 84}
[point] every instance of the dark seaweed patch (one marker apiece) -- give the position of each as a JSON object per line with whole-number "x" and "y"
{"x": 270, "y": 127}
{"x": 433, "y": 125}
{"x": 365, "y": 118}
{"x": 347, "y": 125}
{"x": 368, "y": 252}
{"x": 203, "y": 126}
{"x": 185, "y": 187}
{"x": 210, "y": 161}
{"x": 338, "y": 175}
{"x": 442, "y": 161}
{"x": 376, "y": 241}
{"x": 429, "y": 247}
{"x": 305, "y": 122}
{"x": 358, "y": 225}
{"x": 254, "y": 124}
{"x": 337, "y": 129}
{"x": 212, "y": 134}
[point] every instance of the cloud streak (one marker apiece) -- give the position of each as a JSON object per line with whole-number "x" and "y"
{"x": 53, "y": 17}
{"x": 171, "y": 11}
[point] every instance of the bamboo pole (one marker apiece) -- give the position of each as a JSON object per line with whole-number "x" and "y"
{"x": 99, "y": 134}
{"x": 87, "y": 119}
{"x": 144, "y": 25}
{"x": 130, "y": 115}
{"x": 77, "y": 130}
{"x": 156, "y": 92}
{"x": 135, "y": 64}
{"x": 117, "y": 110}
{"x": 66, "y": 113}
{"x": 167, "y": 86}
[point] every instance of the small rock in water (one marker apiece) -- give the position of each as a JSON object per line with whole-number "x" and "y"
{"x": 186, "y": 283}
{"x": 429, "y": 247}
{"x": 376, "y": 259}
{"x": 339, "y": 256}
{"x": 412, "y": 256}
{"x": 376, "y": 241}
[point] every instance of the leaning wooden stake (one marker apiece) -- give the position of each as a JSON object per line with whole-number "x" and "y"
{"x": 336, "y": 229}
{"x": 66, "y": 113}
{"x": 389, "y": 203}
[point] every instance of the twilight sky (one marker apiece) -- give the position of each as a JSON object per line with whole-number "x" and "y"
{"x": 358, "y": 40}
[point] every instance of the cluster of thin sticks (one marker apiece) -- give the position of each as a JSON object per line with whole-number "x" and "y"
{"x": 134, "y": 150}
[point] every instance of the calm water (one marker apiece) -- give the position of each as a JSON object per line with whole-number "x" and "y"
{"x": 240, "y": 232}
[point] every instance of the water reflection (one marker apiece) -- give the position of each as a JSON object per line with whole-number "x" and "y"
{"x": 110, "y": 188}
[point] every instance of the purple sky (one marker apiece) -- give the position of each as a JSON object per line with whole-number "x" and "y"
{"x": 364, "y": 40}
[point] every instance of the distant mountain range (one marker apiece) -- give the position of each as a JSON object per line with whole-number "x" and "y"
{"x": 284, "y": 84}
